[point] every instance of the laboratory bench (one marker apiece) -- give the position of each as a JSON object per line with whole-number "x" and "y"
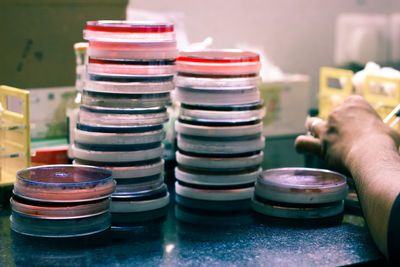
{"x": 186, "y": 237}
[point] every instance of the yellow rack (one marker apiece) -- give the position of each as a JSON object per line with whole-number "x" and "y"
{"x": 373, "y": 91}
{"x": 14, "y": 133}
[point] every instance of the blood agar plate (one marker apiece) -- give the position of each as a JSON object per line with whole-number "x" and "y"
{"x": 120, "y": 31}
{"x": 214, "y": 194}
{"x": 216, "y": 145}
{"x": 301, "y": 185}
{"x": 184, "y": 127}
{"x": 115, "y": 100}
{"x": 219, "y": 163}
{"x": 215, "y": 178}
{"x": 219, "y": 63}
{"x": 131, "y": 50}
{"x": 64, "y": 183}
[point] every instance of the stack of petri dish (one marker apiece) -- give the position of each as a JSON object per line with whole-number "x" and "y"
{"x": 130, "y": 71}
{"x": 61, "y": 201}
{"x": 300, "y": 193}
{"x": 219, "y": 129}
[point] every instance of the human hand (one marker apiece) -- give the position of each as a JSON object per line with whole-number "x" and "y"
{"x": 351, "y": 129}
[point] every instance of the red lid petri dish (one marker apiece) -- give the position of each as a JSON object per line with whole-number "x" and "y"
{"x": 64, "y": 183}
{"x": 118, "y": 30}
{"x": 223, "y": 63}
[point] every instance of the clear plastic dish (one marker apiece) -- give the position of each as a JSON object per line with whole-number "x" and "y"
{"x": 64, "y": 183}
{"x": 139, "y": 183}
{"x": 301, "y": 185}
{"x": 115, "y": 100}
{"x": 129, "y": 87}
{"x": 131, "y": 50}
{"x": 128, "y": 30}
{"x": 126, "y": 67}
{"x": 221, "y": 145}
{"x": 96, "y": 116}
{"x": 229, "y": 63}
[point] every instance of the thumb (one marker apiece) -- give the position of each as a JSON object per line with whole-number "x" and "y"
{"x": 308, "y": 143}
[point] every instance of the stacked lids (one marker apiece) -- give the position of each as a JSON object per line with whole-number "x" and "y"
{"x": 130, "y": 73}
{"x": 61, "y": 200}
{"x": 299, "y": 193}
{"x": 219, "y": 128}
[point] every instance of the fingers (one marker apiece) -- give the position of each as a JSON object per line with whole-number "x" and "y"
{"x": 307, "y": 143}
{"x": 315, "y": 126}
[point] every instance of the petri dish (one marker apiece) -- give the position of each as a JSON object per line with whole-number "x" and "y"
{"x": 220, "y": 115}
{"x": 145, "y": 169}
{"x": 140, "y": 201}
{"x": 64, "y": 183}
{"x": 101, "y": 116}
{"x": 58, "y": 211}
{"x": 219, "y": 163}
{"x": 90, "y": 137}
{"x": 295, "y": 211}
{"x": 130, "y": 49}
{"x": 131, "y": 67}
{"x": 301, "y": 185}
{"x": 218, "y": 83}
{"x": 215, "y": 178}
{"x": 118, "y": 30}
{"x": 185, "y": 127}
{"x": 221, "y": 145}
{"x": 129, "y": 87}
{"x": 229, "y": 62}
{"x": 196, "y": 96}
{"x": 117, "y": 100}
{"x": 125, "y": 185}
{"x": 74, "y": 227}
{"x": 88, "y": 154}
{"x": 214, "y": 194}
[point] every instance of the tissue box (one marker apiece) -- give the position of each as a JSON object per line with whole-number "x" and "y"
{"x": 287, "y": 103}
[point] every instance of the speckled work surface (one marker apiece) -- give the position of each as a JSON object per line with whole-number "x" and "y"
{"x": 248, "y": 240}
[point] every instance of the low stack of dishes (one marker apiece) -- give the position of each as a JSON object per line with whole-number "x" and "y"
{"x": 61, "y": 201}
{"x": 131, "y": 66}
{"x": 219, "y": 129}
{"x": 300, "y": 193}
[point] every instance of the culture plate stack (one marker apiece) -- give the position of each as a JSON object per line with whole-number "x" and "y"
{"x": 219, "y": 129}
{"x": 300, "y": 193}
{"x": 61, "y": 201}
{"x": 130, "y": 73}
